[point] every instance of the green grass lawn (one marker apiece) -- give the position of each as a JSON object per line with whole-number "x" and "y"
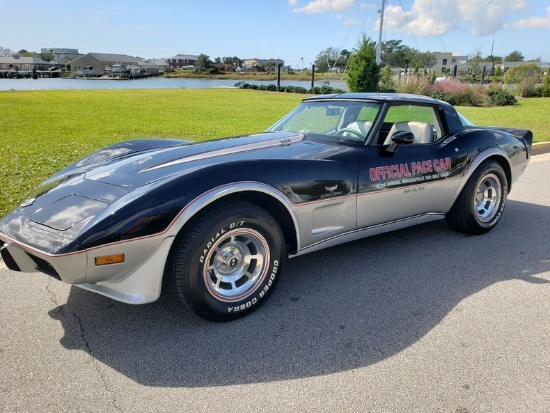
{"x": 533, "y": 114}
{"x": 43, "y": 131}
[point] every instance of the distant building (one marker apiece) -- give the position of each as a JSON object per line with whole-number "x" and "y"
{"x": 161, "y": 63}
{"x": 254, "y": 62}
{"x": 97, "y": 64}
{"x": 17, "y": 63}
{"x": 504, "y": 66}
{"x": 182, "y": 61}
{"x": 61, "y": 55}
{"x": 446, "y": 61}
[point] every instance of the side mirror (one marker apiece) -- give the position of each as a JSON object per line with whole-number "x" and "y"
{"x": 400, "y": 138}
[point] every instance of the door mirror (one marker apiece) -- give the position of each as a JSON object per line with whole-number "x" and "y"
{"x": 402, "y": 138}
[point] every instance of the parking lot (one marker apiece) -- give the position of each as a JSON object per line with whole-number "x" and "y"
{"x": 422, "y": 320}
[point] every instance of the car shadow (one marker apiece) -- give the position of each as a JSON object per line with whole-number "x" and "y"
{"x": 335, "y": 310}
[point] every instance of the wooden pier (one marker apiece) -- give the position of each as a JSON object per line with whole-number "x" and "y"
{"x": 29, "y": 74}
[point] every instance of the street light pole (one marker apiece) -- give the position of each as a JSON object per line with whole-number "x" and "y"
{"x": 379, "y": 45}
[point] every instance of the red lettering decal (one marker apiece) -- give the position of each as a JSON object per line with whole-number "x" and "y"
{"x": 373, "y": 175}
{"x": 394, "y": 171}
{"x": 429, "y": 167}
{"x": 385, "y": 170}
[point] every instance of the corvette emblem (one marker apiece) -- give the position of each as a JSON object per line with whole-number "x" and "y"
{"x": 331, "y": 189}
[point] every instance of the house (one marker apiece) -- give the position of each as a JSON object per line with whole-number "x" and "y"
{"x": 18, "y": 63}
{"x": 445, "y": 62}
{"x": 182, "y": 61}
{"x": 98, "y": 64}
{"x": 504, "y": 66}
{"x": 162, "y": 64}
{"x": 255, "y": 62}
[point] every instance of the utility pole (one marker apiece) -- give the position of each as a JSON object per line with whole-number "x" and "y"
{"x": 379, "y": 45}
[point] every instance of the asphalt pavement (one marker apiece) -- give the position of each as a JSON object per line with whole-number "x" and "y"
{"x": 421, "y": 320}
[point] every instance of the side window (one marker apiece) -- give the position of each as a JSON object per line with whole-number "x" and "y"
{"x": 422, "y": 121}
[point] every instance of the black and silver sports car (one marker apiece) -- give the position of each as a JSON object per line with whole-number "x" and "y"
{"x": 216, "y": 220}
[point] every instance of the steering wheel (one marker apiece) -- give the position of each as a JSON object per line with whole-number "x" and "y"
{"x": 353, "y": 131}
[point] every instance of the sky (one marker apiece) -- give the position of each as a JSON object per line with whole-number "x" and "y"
{"x": 293, "y": 30}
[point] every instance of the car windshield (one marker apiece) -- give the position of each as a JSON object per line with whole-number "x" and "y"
{"x": 337, "y": 120}
{"x": 465, "y": 121}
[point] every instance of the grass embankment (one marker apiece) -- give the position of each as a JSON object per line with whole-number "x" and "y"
{"x": 43, "y": 131}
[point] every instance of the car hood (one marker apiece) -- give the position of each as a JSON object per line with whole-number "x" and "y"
{"x": 137, "y": 163}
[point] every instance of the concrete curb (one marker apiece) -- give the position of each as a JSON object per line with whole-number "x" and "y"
{"x": 540, "y": 148}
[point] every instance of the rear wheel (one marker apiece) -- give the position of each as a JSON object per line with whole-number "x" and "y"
{"x": 481, "y": 202}
{"x": 228, "y": 263}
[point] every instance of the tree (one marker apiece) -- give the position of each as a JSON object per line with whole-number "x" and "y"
{"x": 364, "y": 73}
{"x": 515, "y": 56}
{"x": 545, "y": 90}
{"x": 270, "y": 67}
{"x": 203, "y": 63}
{"x": 426, "y": 59}
{"x": 343, "y": 60}
{"x": 232, "y": 61}
{"x": 4, "y": 51}
{"x": 494, "y": 59}
{"x": 498, "y": 74}
{"x": 48, "y": 57}
{"x": 474, "y": 69}
{"x": 387, "y": 81}
{"x": 523, "y": 78}
{"x": 326, "y": 59}
{"x": 396, "y": 54}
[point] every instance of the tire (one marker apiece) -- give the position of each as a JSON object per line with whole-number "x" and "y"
{"x": 228, "y": 262}
{"x": 481, "y": 202}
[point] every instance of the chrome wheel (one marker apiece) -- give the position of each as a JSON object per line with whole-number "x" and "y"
{"x": 487, "y": 198}
{"x": 480, "y": 204}
{"x": 236, "y": 264}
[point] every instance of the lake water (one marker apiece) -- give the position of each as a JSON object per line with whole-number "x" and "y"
{"x": 150, "y": 83}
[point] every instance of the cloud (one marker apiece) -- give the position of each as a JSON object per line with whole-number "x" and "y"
{"x": 424, "y": 19}
{"x": 533, "y": 22}
{"x": 320, "y": 6}
{"x": 430, "y": 18}
{"x": 487, "y": 16}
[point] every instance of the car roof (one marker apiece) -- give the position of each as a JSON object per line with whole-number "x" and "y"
{"x": 378, "y": 97}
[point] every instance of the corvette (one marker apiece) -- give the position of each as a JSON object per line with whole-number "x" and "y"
{"x": 214, "y": 222}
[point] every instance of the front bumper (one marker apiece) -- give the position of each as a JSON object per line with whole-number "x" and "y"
{"x": 137, "y": 280}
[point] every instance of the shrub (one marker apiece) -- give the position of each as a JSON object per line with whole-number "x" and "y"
{"x": 501, "y": 97}
{"x": 323, "y": 90}
{"x": 461, "y": 93}
{"x": 416, "y": 85}
{"x": 447, "y": 97}
{"x": 523, "y": 79}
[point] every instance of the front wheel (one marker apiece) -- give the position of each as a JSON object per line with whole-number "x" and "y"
{"x": 481, "y": 202}
{"x": 228, "y": 262}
